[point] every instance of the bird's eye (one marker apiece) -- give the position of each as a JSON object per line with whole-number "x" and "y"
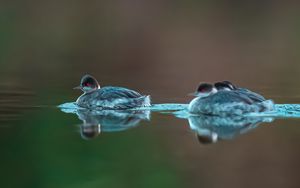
{"x": 87, "y": 84}
{"x": 203, "y": 89}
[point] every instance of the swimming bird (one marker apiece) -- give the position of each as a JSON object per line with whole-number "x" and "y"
{"x": 95, "y": 97}
{"x": 226, "y": 99}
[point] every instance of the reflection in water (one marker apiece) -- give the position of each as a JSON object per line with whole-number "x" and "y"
{"x": 210, "y": 129}
{"x": 95, "y": 122}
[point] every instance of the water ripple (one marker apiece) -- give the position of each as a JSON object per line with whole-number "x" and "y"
{"x": 180, "y": 110}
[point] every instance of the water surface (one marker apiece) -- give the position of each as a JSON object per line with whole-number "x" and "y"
{"x": 164, "y": 146}
{"x": 161, "y": 48}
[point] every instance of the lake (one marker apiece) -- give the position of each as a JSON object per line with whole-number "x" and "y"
{"x": 164, "y": 49}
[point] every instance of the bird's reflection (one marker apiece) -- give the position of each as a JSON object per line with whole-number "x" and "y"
{"x": 95, "y": 122}
{"x": 211, "y": 129}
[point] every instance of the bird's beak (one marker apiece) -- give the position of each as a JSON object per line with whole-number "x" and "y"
{"x": 78, "y": 87}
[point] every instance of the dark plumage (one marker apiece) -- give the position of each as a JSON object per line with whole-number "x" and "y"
{"x": 204, "y": 87}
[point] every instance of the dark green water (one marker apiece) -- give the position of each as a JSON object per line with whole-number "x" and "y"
{"x": 43, "y": 147}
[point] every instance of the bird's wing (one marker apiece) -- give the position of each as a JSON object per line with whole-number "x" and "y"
{"x": 117, "y": 92}
{"x": 252, "y": 95}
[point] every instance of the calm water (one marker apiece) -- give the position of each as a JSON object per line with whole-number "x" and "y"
{"x": 161, "y": 48}
{"x": 45, "y": 146}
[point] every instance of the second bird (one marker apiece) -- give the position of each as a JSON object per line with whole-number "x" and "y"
{"x": 223, "y": 98}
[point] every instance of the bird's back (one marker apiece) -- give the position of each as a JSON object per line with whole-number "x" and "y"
{"x": 223, "y": 97}
{"x": 225, "y": 103}
{"x": 252, "y": 95}
{"x": 116, "y": 92}
{"x": 114, "y": 98}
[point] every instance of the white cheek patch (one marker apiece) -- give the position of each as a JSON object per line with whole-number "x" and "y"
{"x": 214, "y": 90}
{"x": 203, "y": 95}
{"x": 226, "y": 89}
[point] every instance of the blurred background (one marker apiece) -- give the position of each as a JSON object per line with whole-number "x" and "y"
{"x": 163, "y": 48}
